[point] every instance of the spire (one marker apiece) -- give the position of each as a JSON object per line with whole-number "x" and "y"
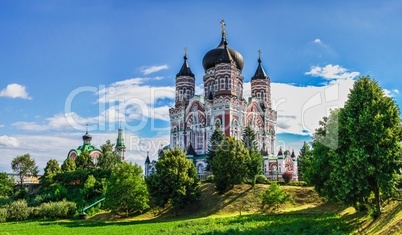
{"x": 260, "y": 72}
{"x": 293, "y": 154}
{"x": 120, "y": 146}
{"x": 147, "y": 161}
{"x": 87, "y": 137}
{"x": 185, "y": 68}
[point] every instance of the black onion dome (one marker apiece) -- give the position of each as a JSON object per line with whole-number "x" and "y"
{"x": 86, "y": 136}
{"x": 215, "y": 55}
{"x": 185, "y": 69}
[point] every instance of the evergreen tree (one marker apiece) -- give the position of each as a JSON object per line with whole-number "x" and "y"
{"x": 52, "y": 168}
{"x": 84, "y": 161}
{"x": 24, "y": 165}
{"x": 68, "y": 165}
{"x": 230, "y": 165}
{"x": 249, "y": 139}
{"x": 216, "y": 138}
{"x": 109, "y": 157}
{"x": 175, "y": 180}
{"x": 304, "y": 160}
{"x": 256, "y": 159}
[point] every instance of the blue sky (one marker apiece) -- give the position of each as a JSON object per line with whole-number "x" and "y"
{"x": 64, "y": 64}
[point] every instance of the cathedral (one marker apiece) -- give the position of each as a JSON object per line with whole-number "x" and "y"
{"x": 193, "y": 118}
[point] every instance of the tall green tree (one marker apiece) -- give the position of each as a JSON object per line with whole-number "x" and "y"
{"x": 249, "y": 139}
{"x": 52, "y": 168}
{"x": 127, "y": 191}
{"x": 109, "y": 157}
{"x": 216, "y": 139}
{"x": 256, "y": 159}
{"x": 356, "y": 152}
{"x": 175, "y": 180}
{"x": 230, "y": 164}
{"x": 6, "y": 185}
{"x": 24, "y": 166}
{"x": 369, "y": 143}
{"x": 68, "y": 165}
{"x": 84, "y": 161}
{"x": 304, "y": 160}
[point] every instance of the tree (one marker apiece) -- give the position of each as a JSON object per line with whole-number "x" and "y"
{"x": 216, "y": 139}
{"x": 68, "y": 165}
{"x": 23, "y": 166}
{"x": 273, "y": 197}
{"x": 6, "y": 185}
{"x": 108, "y": 158}
{"x": 255, "y": 166}
{"x": 358, "y": 156}
{"x": 230, "y": 164}
{"x": 84, "y": 161}
{"x": 127, "y": 190}
{"x": 256, "y": 159}
{"x": 249, "y": 140}
{"x": 175, "y": 180}
{"x": 52, "y": 168}
{"x": 304, "y": 161}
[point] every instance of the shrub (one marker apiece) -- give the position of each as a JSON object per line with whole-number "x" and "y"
{"x": 273, "y": 197}
{"x": 62, "y": 209}
{"x": 210, "y": 178}
{"x": 298, "y": 183}
{"x": 287, "y": 176}
{"x": 3, "y": 214}
{"x": 18, "y": 210}
{"x": 261, "y": 179}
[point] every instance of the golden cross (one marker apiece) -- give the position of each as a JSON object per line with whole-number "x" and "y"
{"x": 185, "y": 50}
{"x": 259, "y": 53}
{"x": 223, "y": 24}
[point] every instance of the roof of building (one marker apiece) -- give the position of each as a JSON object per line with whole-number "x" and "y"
{"x": 260, "y": 72}
{"x": 222, "y": 54}
{"x": 185, "y": 69}
{"x": 190, "y": 150}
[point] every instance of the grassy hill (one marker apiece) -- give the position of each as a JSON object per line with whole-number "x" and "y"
{"x": 220, "y": 214}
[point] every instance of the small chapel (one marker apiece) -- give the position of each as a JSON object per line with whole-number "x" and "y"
{"x": 193, "y": 118}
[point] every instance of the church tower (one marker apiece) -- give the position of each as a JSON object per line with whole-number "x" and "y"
{"x": 120, "y": 146}
{"x": 223, "y": 88}
{"x": 261, "y": 85}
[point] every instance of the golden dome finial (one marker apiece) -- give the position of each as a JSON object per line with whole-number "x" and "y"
{"x": 223, "y": 24}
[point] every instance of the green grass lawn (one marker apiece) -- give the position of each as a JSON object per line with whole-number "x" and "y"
{"x": 285, "y": 223}
{"x": 220, "y": 214}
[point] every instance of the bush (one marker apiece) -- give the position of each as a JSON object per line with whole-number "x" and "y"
{"x": 287, "y": 176}
{"x": 298, "y": 183}
{"x": 18, "y": 210}
{"x": 261, "y": 179}
{"x": 62, "y": 209}
{"x": 3, "y": 214}
{"x": 273, "y": 197}
{"x": 210, "y": 178}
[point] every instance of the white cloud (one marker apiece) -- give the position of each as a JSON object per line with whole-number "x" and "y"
{"x": 15, "y": 91}
{"x": 330, "y": 72}
{"x": 153, "y": 69}
{"x": 1, "y": 125}
{"x": 300, "y": 109}
{"x": 9, "y": 141}
{"x": 391, "y": 93}
{"x": 317, "y": 41}
{"x": 43, "y": 147}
